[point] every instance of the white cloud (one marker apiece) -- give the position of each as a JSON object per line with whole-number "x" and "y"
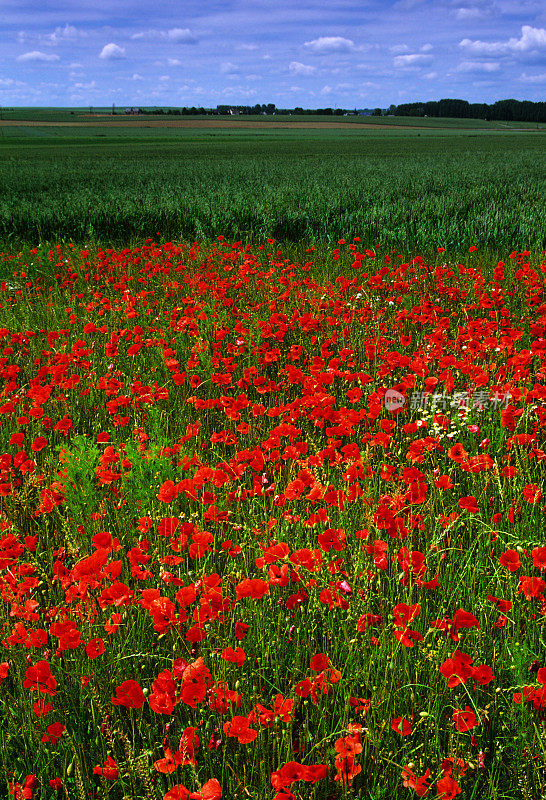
{"x": 174, "y": 62}
{"x": 531, "y": 40}
{"x": 326, "y": 90}
{"x": 330, "y": 44}
{"x": 533, "y": 78}
{"x": 183, "y": 35}
{"x": 66, "y": 34}
{"x": 399, "y": 48}
{"x": 112, "y": 51}
{"x": 411, "y": 60}
{"x": 478, "y": 66}
{"x": 90, "y": 85}
{"x": 430, "y": 75}
{"x": 227, "y": 68}
{"x": 248, "y": 47}
{"x": 469, "y": 13}
{"x": 297, "y": 68}
{"x": 238, "y": 91}
{"x": 37, "y": 55}
{"x": 136, "y": 77}
{"x": 426, "y": 48}
{"x": 178, "y": 35}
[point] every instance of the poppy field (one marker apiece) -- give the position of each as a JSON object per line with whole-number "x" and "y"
{"x": 269, "y": 528}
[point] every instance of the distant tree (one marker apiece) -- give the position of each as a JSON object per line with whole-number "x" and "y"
{"x": 508, "y": 110}
{"x": 377, "y": 112}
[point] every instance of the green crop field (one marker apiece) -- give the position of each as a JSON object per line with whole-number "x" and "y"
{"x": 411, "y": 189}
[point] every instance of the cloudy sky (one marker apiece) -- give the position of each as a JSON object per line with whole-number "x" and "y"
{"x": 348, "y": 53}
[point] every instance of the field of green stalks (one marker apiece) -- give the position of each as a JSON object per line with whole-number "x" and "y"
{"x": 410, "y": 189}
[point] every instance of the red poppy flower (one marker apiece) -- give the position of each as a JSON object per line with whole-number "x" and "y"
{"x": 129, "y": 694}
{"x": 407, "y": 637}
{"x": 539, "y": 557}
{"x": 167, "y": 492}
{"x": 404, "y": 614}
{"x": 241, "y": 629}
{"x": 319, "y": 662}
{"x": 420, "y": 786}
{"x": 531, "y": 587}
{"x": 303, "y": 688}
{"x": 168, "y": 526}
{"x": 41, "y": 708}
{"x": 510, "y": 560}
{"x": 112, "y": 626}
{"x": 196, "y": 633}
{"x": 332, "y": 537}
{"x": 503, "y": 605}
{"x": 457, "y": 453}
{"x": 482, "y": 674}
{"x": 168, "y": 764}
{"x": 239, "y": 726}
{"x": 40, "y": 679}
{"x": 89, "y": 568}
{"x": 443, "y": 482}
{"x": 457, "y": 669}
{"x": 532, "y": 493}
{"x": 254, "y": 588}
{"x": 462, "y": 619}
{"x": 161, "y": 703}
{"x": 464, "y": 720}
{"x": 211, "y": 790}
{"x": 469, "y": 504}
{"x": 109, "y": 770}
{"x": 237, "y": 656}
{"x": 447, "y": 788}
{"x": 188, "y": 745}
{"x": 94, "y": 648}
{"x": 401, "y": 726}
{"x": 54, "y": 733}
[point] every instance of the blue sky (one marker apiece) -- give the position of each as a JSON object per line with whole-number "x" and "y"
{"x": 288, "y": 52}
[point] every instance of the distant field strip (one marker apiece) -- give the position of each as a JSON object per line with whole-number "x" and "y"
{"x": 143, "y": 122}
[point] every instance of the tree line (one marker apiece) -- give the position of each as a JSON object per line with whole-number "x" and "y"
{"x": 505, "y": 110}
{"x": 502, "y": 110}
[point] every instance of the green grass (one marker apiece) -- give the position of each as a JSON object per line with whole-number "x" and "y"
{"x": 408, "y": 189}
